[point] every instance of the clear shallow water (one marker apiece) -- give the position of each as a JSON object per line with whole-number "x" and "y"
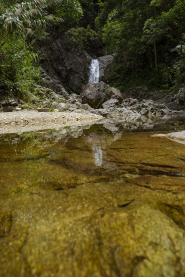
{"x": 93, "y": 201}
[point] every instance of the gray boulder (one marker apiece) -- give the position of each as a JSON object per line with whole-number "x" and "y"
{"x": 180, "y": 96}
{"x": 96, "y": 94}
{"x": 9, "y": 102}
{"x": 144, "y": 111}
{"x": 128, "y": 102}
{"x": 111, "y": 103}
{"x": 115, "y": 94}
{"x": 8, "y": 109}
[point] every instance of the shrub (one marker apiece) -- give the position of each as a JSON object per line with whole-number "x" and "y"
{"x": 17, "y": 68}
{"x": 84, "y": 37}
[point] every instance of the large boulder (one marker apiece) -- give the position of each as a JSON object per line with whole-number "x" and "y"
{"x": 115, "y": 94}
{"x": 96, "y": 94}
{"x": 9, "y": 102}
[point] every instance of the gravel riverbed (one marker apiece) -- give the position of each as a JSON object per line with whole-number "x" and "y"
{"x": 25, "y": 121}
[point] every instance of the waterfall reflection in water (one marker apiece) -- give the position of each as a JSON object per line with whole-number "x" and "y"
{"x": 97, "y": 151}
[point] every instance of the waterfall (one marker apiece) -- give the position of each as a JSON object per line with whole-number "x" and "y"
{"x": 94, "y": 72}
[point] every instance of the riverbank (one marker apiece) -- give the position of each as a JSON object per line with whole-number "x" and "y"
{"x": 18, "y": 116}
{"x": 25, "y": 121}
{"x": 175, "y": 136}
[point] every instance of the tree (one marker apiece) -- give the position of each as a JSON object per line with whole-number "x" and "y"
{"x": 18, "y": 20}
{"x": 142, "y": 32}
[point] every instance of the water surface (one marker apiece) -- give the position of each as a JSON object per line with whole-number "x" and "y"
{"x": 92, "y": 201}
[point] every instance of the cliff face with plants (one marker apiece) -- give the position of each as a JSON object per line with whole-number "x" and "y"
{"x": 146, "y": 37}
{"x": 22, "y": 23}
{"x": 67, "y": 54}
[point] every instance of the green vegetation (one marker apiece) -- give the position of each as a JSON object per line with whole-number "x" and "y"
{"x": 83, "y": 36}
{"x": 20, "y": 24}
{"x": 91, "y": 8}
{"x": 148, "y": 38}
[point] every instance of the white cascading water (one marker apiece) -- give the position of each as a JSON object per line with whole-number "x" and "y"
{"x": 94, "y": 72}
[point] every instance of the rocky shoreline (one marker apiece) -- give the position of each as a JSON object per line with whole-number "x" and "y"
{"x": 44, "y": 109}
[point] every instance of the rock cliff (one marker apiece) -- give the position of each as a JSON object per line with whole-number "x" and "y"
{"x": 62, "y": 60}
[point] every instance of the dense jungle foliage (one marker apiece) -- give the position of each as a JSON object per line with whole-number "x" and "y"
{"x": 21, "y": 23}
{"x": 146, "y": 36}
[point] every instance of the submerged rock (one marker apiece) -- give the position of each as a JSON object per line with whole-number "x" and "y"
{"x": 5, "y": 222}
{"x": 108, "y": 203}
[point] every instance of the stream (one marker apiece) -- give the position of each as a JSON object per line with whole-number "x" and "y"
{"x": 98, "y": 200}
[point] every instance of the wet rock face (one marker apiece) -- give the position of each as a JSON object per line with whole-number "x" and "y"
{"x": 104, "y": 61}
{"x": 70, "y": 64}
{"x": 53, "y": 84}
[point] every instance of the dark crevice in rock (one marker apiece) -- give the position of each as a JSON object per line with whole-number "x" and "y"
{"x": 177, "y": 208}
{"x": 144, "y": 186}
{"x": 119, "y": 206}
{"x": 125, "y": 205}
{"x": 153, "y": 189}
{"x": 174, "y": 212}
{"x": 159, "y": 165}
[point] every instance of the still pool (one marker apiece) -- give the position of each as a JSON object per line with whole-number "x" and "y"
{"x": 92, "y": 201}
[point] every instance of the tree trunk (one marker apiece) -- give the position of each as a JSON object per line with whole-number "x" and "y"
{"x": 155, "y": 54}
